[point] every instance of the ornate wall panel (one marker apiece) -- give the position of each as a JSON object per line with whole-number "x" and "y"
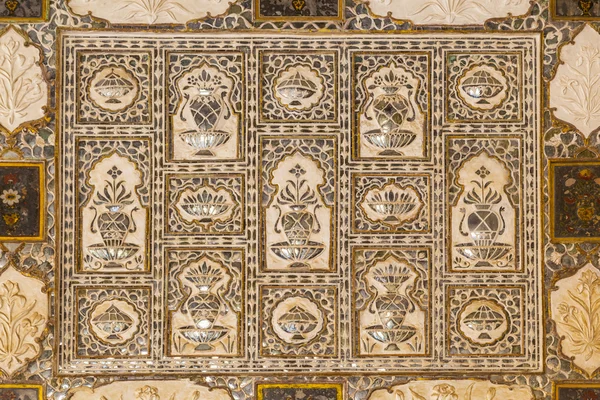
{"x": 176, "y": 264}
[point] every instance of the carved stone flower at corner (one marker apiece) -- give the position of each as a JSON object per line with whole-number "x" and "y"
{"x": 575, "y": 89}
{"x": 23, "y": 89}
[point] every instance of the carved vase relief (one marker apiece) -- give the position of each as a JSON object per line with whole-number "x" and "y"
{"x": 299, "y": 87}
{"x": 297, "y": 320}
{"x": 482, "y": 87}
{"x": 575, "y": 309}
{"x": 23, "y": 318}
{"x": 393, "y": 204}
{"x": 483, "y": 219}
{"x": 298, "y": 222}
{"x": 394, "y": 320}
{"x": 113, "y": 88}
{"x": 114, "y": 223}
{"x": 391, "y": 122}
{"x": 205, "y": 125}
{"x": 292, "y": 208}
{"x": 24, "y": 94}
{"x": 574, "y": 89}
{"x": 483, "y": 321}
{"x": 204, "y": 323}
{"x": 205, "y": 205}
{"x": 114, "y": 321}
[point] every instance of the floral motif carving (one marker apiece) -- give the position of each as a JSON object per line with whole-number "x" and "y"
{"x": 483, "y": 225}
{"x": 205, "y": 121}
{"x": 453, "y": 390}
{"x": 205, "y": 323}
{"x": 299, "y": 219}
{"x": 23, "y": 318}
{"x": 152, "y": 390}
{"x": 23, "y": 90}
{"x": 114, "y": 221}
{"x": 575, "y": 307}
{"x": 448, "y": 12}
{"x": 391, "y": 121}
{"x": 149, "y": 12}
{"x": 394, "y": 321}
{"x": 575, "y": 89}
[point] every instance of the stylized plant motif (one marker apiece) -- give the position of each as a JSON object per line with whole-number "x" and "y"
{"x": 581, "y": 317}
{"x": 115, "y": 194}
{"x": 18, "y": 325}
{"x": 450, "y": 10}
{"x": 485, "y": 195}
{"x": 581, "y": 87}
{"x": 297, "y": 192}
{"x": 153, "y": 9}
{"x": 19, "y": 88}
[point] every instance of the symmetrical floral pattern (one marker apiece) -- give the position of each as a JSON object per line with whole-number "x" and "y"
{"x": 575, "y": 89}
{"x": 576, "y": 310}
{"x": 23, "y": 318}
{"x": 295, "y": 248}
{"x": 448, "y": 12}
{"x": 24, "y": 91}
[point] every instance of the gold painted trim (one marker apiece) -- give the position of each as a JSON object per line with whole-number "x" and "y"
{"x": 41, "y": 166}
{"x": 576, "y": 18}
{"x": 565, "y": 162}
{"x": 15, "y": 385}
{"x": 557, "y": 385}
{"x": 260, "y": 386}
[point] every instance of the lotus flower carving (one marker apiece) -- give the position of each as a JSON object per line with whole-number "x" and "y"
{"x": 393, "y": 204}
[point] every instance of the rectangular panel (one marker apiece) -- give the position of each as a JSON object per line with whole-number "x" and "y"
{"x": 288, "y": 202}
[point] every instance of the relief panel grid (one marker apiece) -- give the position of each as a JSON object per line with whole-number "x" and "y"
{"x": 353, "y": 197}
